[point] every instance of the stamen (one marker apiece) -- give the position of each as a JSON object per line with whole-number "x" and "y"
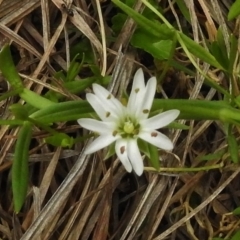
{"x": 108, "y": 114}
{"x": 122, "y": 149}
{"x": 154, "y": 134}
{"x": 115, "y": 133}
{"x": 137, "y": 90}
{"x": 109, "y": 96}
{"x": 145, "y": 111}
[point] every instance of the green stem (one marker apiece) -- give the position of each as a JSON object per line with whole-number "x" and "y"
{"x": 197, "y": 169}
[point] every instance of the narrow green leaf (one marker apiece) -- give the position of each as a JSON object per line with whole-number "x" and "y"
{"x": 198, "y": 51}
{"x": 154, "y": 156}
{"x": 159, "y": 49}
{"x": 184, "y": 10}
{"x": 66, "y": 111}
{"x": 236, "y": 236}
{"x": 232, "y": 146}
{"x": 153, "y": 28}
{"x": 236, "y": 211}
{"x": 218, "y": 53}
{"x": 222, "y": 44}
{"x": 34, "y": 99}
{"x": 10, "y": 93}
{"x": 143, "y": 146}
{"x": 14, "y": 122}
{"x": 74, "y": 69}
{"x": 233, "y": 52}
{"x": 110, "y": 151}
{"x": 234, "y": 10}
{"x": 20, "y": 166}
{"x": 192, "y": 109}
{"x": 211, "y": 157}
{"x": 8, "y": 69}
{"x": 60, "y": 140}
{"x": 19, "y": 111}
{"x": 176, "y": 125}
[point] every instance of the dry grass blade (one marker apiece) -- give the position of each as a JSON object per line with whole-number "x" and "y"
{"x": 199, "y": 208}
{"x": 73, "y": 196}
{"x": 58, "y": 199}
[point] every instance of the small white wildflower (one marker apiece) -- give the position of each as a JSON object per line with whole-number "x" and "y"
{"x": 124, "y": 125}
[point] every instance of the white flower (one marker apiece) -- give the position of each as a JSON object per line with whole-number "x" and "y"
{"x": 124, "y": 125}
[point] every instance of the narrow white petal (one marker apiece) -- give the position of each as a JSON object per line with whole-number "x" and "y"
{"x": 121, "y": 151}
{"x": 160, "y": 120}
{"x": 100, "y": 142}
{"x": 157, "y": 139}
{"x": 137, "y": 92}
{"x": 99, "y": 90}
{"x": 148, "y": 98}
{"x": 101, "y": 108}
{"x": 135, "y": 156}
{"x": 105, "y": 96}
{"x": 96, "y": 126}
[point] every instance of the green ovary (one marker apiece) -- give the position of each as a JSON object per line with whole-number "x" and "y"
{"x": 128, "y": 127}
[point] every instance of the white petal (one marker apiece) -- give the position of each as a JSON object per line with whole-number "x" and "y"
{"x": 135, "y": 156}
{"x": 101, "y": 142}
{"x": 121, "y": 151}
{"x": 160, "y": 120}
{"x": 96, "y": 126}
{"x": 148, "y": 98}
{"x": 105, "y": 96}
{"x": 157, "y": 139}
{"x": 101, "y": 108}
{"x": 137, "y": 92}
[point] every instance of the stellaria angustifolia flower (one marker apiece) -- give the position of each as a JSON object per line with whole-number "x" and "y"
{"x": 125, "y": 124}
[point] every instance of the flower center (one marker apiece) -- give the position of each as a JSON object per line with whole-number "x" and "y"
{"x": 128, "y": 127}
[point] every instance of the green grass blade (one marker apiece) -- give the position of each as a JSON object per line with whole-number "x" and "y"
{"x": 8, "y": 69}
{"x": 66, "y": 111}
{"x": 20, "y": 166}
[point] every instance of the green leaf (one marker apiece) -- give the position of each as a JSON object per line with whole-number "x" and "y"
{"x": 79, "y": 86}
{"x": 10, "y": 93}
{"x": 19, "y": 111}
{"x": 74, "y": 69}
{"x": 191, "y": 109}
{"x": 118, "y": 21}
{"x": 234, "y": 10}
{"x": 154, "y": 156}
{"x": 236, "y": 236}
{"x": 153, "y": 28}
{"x": 110, "y": 151}
{"x": 232, "y": 145}
{"x": 74, "y": 87}
{"x": 83, "y": 51}
{"x": 236, "y": 211}
{"x": 176, "y": 125}
{"x": 65, "y": 111}
{"x": 198, "y": 50}
{"x": 20, "y": 166}
{"x": 233, "y": 52}
{"x": 159, "y": 49}
{"x": 14, "y": 122}
{"x": 8, "y": 69}
{"x": 184, "y": 10}
{"x": 218, "y": 53}
{"x": 60, "y": 140}
{"x": 34, "y": 99}
{"x": 212, "y": 157}
{"x": 143, "y": 146}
